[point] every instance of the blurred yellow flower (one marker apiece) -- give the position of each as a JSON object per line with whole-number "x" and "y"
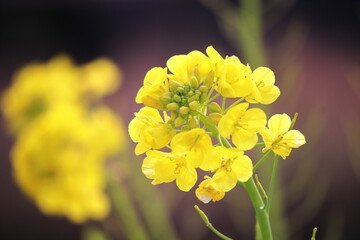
{"x": 279, "y": 138}
{"x": 59, "y": 162}
{"x": 165, "y": 167}
{"x": 230, "y": 165}
{"x": 155, "y": 85}
{"x": 206, "y": 191}
{"x": 264, "y": 92}
{"x": 242, "y": 124}
{"x": 149, "y": 130}
{"x": 40, "y": 86}
{"x": 196, "y": 143}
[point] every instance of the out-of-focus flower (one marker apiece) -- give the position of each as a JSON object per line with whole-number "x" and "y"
{"x": 242, "y": 124}
{"x": 279, "y": 138}
{"x": 165, "y": 167}
{"x": 206, "y": 191}
{"x": 149, "y": 130}
{"x": 59, "y": 164}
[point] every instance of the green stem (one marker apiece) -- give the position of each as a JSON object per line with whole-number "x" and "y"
{"x": 272, "y": 182}
{"x": 262, "y": 216}
{"x": 213, "y": 98}
{"x": 262, "y": 159}
{"x": 233, "y": 104}
{"x": 209, "y": 225}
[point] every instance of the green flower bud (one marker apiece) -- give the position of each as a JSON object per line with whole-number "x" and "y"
{"x": 177, "y": 98}
{"x": 180, "y": 89}
{"x": 179, "y": 121}
{"x": 214, "y": 107}
{"x": 172, "y": 106}
{"x": 174, "y": 115}
{"x": 184, "y": 110}
{"x": 190, "y": 93}
{"x": 185, "y": 128}
{"x": 174, "y": 85}
{"x": 194, "y": 123}
{"x": 194, "y": 82}
{"x": 203, "y": 97}
{"x": 193, "y": 98}
{"x": 215, "y": 117}
{"x": 166, "y": 98}
{"x": 203, "y": 88}
{"x": 194, "y": 105}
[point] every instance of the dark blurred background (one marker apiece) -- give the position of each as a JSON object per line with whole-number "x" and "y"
{"x": 312, "y": 46}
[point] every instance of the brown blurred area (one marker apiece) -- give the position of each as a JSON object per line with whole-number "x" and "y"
{"x": 312, "y": 46}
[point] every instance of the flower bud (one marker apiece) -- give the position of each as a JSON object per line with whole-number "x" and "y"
{"x": 172, "y": 107}
{"x": 184, "y": 110}
{"x": 203, "y": 97}
{"x": 203, "y": 88}
{"x": 214, "y": 107}
{"x": 194, "y": 105}
{"x": 179, "y": 121}
{"x": 174, "y": 115}
{"x": 190, "y": 93}
{"x": 180, "y": 89}
{"x": 185, "y": 128}
{"x": 194, "y": 82}
{"x": 209, "y": 79}
{"x": 174, "y": 85}
{"x": 215, "y": 117}
{"x": 194, "y": 123}
{"x": 177, "y": 98}
{"x": 166, "y": 98}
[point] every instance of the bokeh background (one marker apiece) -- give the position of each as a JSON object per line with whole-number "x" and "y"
{"x": 312, "y": 46}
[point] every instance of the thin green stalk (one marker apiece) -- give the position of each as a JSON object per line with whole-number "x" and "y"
{"x": 209, "y": 225}
{"x": 262, "y": 216}
{"x": 223, "y": 104}
{"x": 262, "y": 159}
{"x": 233, "y": 104}
{"x": 213, "y": 98}
{"x": 272, "y": 182}
{"x": 314, "y": 234}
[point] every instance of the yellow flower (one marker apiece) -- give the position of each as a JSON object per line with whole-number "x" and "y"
{"x": 196, "y": 143}
{"x": 36, "y": 88}
{"x": 279, "y": 138}
{"x": 165, "y": 167}
{"x": 265, "y": 91}
{"x": 184, "y": 67}
{"x": 206, "y": 191}
{"x": 155, "y": 85}
{"x": 57, "y": 164}
{"x": 234, "y": 78}
{"x": 149, "y": 130}
{"x": 99, "y": 78}
{"x": 242, "y": 125}
{"x": 230, "y": 165}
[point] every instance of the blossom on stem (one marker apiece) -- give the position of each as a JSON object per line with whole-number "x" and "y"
{"x": 207, "y": 192}
{"x": 165, "y": 167}
{"x": 242, "y": 124}
{"x": 279, "y": 138}
{"x": 196, "y": 143}
{"x": 230, "y": 165}
{"x": 264, "y": 92}
{"x": 149, "y": 130}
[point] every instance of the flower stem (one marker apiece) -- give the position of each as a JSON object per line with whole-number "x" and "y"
{"x": 262, "y": 216}
{"x": 262, "y": 159}
{"x": 233, "y": 104}
{"x": 272, "y": 182}
{"x": 209, "y": 225}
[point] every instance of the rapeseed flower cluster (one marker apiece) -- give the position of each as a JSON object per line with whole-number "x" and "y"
{"x": 183, "y": 126}
{"x": 54, "y": 111}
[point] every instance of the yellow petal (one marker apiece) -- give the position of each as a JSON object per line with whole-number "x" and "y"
{"x": 243, "y": 167}
{"x": 244, "y": 140}
{"x": 227, "y": 123}
{"x": 224, "y": 180}
{"x": 293, "y": 139}
{"x": 279, "y": 124}
{"x": 186, "y": 179}
{"x": 264, "y": 75}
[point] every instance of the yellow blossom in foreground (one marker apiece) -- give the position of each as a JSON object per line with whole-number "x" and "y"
{"x": 58, "y": 165}
{"x": 265, "y": 91}
{"x": 155, "y": 85}
{"x": 165, "y": 167}
{"x": 149, "y": 130}
{"x": 206, "y": 191}
{"x": 184, "y": 67}
{"x": 230, "y": 165}
{"x": 234, "y": 78}
{"x": 196, "y": 143}
{"x": 279, "y": 138}
{"x": 242, "y": 124}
